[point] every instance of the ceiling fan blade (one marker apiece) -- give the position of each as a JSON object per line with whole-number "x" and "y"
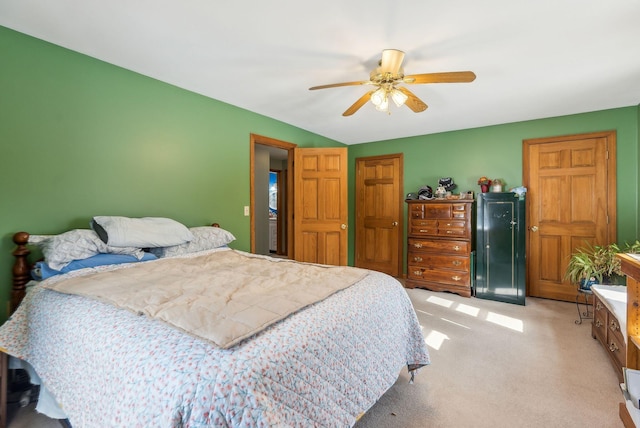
{"x": 413, "y": 102}
{"x": 356, "y": 106}
{"x": 449, "y": 77}
{"x": 335, "y": 85}
{"x": 391, "y": 61}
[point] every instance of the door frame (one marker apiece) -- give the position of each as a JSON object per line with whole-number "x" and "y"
{"x": 289, "y": 147}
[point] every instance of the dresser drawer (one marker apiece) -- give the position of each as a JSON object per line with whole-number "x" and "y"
{"x": 423, "y": 227}
{"x": 452, "y": 224}
{"x": 435, "y": 261}
{"x": 444, "y": 246}
{"x": 600, "y": 321}
{"x": 618, "y": 349}
{"x": 460, "y": 211}
{"x": 416, "y": 211}
{"x": 613, "y": 329}
{"x": 452, "y": 232}
{"x": 439, "y": 275}
{"x": 437, "y": 211}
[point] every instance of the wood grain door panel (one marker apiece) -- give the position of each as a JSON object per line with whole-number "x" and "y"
{"x": 320, "y": 217}
{"x": 570, "y": 203}
{"x": 379, "y": 213}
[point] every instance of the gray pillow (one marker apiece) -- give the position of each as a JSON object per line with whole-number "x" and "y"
{"x": 204, "y": 238}
{"x": 145, "y": 232}
{"x": 76, "y": 244}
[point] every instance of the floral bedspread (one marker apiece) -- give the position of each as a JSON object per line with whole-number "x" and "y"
{"x": 322, "y": 366}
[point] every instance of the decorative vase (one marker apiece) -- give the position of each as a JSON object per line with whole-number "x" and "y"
{"x": 484, "y": 188}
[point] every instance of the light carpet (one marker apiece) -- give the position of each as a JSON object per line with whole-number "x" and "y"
{"x": 502, "y": 365}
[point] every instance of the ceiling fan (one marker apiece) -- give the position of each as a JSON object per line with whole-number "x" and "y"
{"x": 387, "y": 77}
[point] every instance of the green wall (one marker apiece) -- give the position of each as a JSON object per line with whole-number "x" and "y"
{"x": 80, "y": 137}
{"x": 496, "y": 151}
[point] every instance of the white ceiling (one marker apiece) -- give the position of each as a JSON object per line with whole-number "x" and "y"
{"x": 532, "y": 58}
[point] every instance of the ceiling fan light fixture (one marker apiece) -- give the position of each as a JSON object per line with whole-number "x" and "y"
{"x": 384, "y": 105}
{"x": 385, "y": 79}
{"x": 398, "y": 97}
{"x": 378, "y": 97}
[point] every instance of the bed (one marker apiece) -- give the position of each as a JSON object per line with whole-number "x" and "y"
{"x": 324, "y": 364}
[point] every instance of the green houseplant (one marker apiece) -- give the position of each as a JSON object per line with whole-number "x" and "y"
{"x": 598, "y": 264}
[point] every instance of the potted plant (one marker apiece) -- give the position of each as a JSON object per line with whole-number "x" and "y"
{"x": 598, "y": 264}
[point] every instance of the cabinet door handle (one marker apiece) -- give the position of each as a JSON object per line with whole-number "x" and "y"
{"x": 613, "y": 325}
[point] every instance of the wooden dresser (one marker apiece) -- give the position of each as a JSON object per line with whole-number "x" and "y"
{"x": 631, "y": 268}
{"x": 606, "y": 329}
{"x": 440, "y": 242}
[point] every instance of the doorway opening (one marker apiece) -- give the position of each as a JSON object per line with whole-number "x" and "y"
{"x": 271, "y": 214}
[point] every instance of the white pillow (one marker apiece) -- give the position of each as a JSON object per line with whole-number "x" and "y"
{"x": 145, "y": 232}
{"x": 204, "y": 238}
{"x": 77, "y": 244}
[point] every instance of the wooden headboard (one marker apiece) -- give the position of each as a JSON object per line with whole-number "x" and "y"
{"x": 22, "y": 269}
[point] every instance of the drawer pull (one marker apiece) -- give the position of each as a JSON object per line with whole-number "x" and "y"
{"x": 417, "y": 259}
{"x": 418, "y": 245}
{"x": 456, "y": 248}
{"x": 598, "y": 306}
{"x": 456, "y": 278}
{"x": 613, "y": 347}
{"x": 456, "y": 262}
{"x": 598, "y": 323}
{"x": 449, "y": 224}
{"x": 449, "y": 231}
{"x": 613, "y": 325}
{"x": 424, "y": 230}
{"x": 417, "y": 272}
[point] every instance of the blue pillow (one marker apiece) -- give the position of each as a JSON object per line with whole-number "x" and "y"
{"x": 42, "y": 270}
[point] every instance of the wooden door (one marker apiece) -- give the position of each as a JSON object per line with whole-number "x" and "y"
{"x": 379, "y": 206}
{"x": 320, "y": 217}
{"x": 571, "y": 201}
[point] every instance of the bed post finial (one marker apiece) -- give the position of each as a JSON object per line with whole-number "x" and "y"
{"x": 20, "y": 270}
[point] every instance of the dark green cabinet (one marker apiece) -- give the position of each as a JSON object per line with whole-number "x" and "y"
{"x": 500, "y": 247}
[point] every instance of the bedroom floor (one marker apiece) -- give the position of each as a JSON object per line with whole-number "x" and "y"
{"x": 27, "y": 417}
